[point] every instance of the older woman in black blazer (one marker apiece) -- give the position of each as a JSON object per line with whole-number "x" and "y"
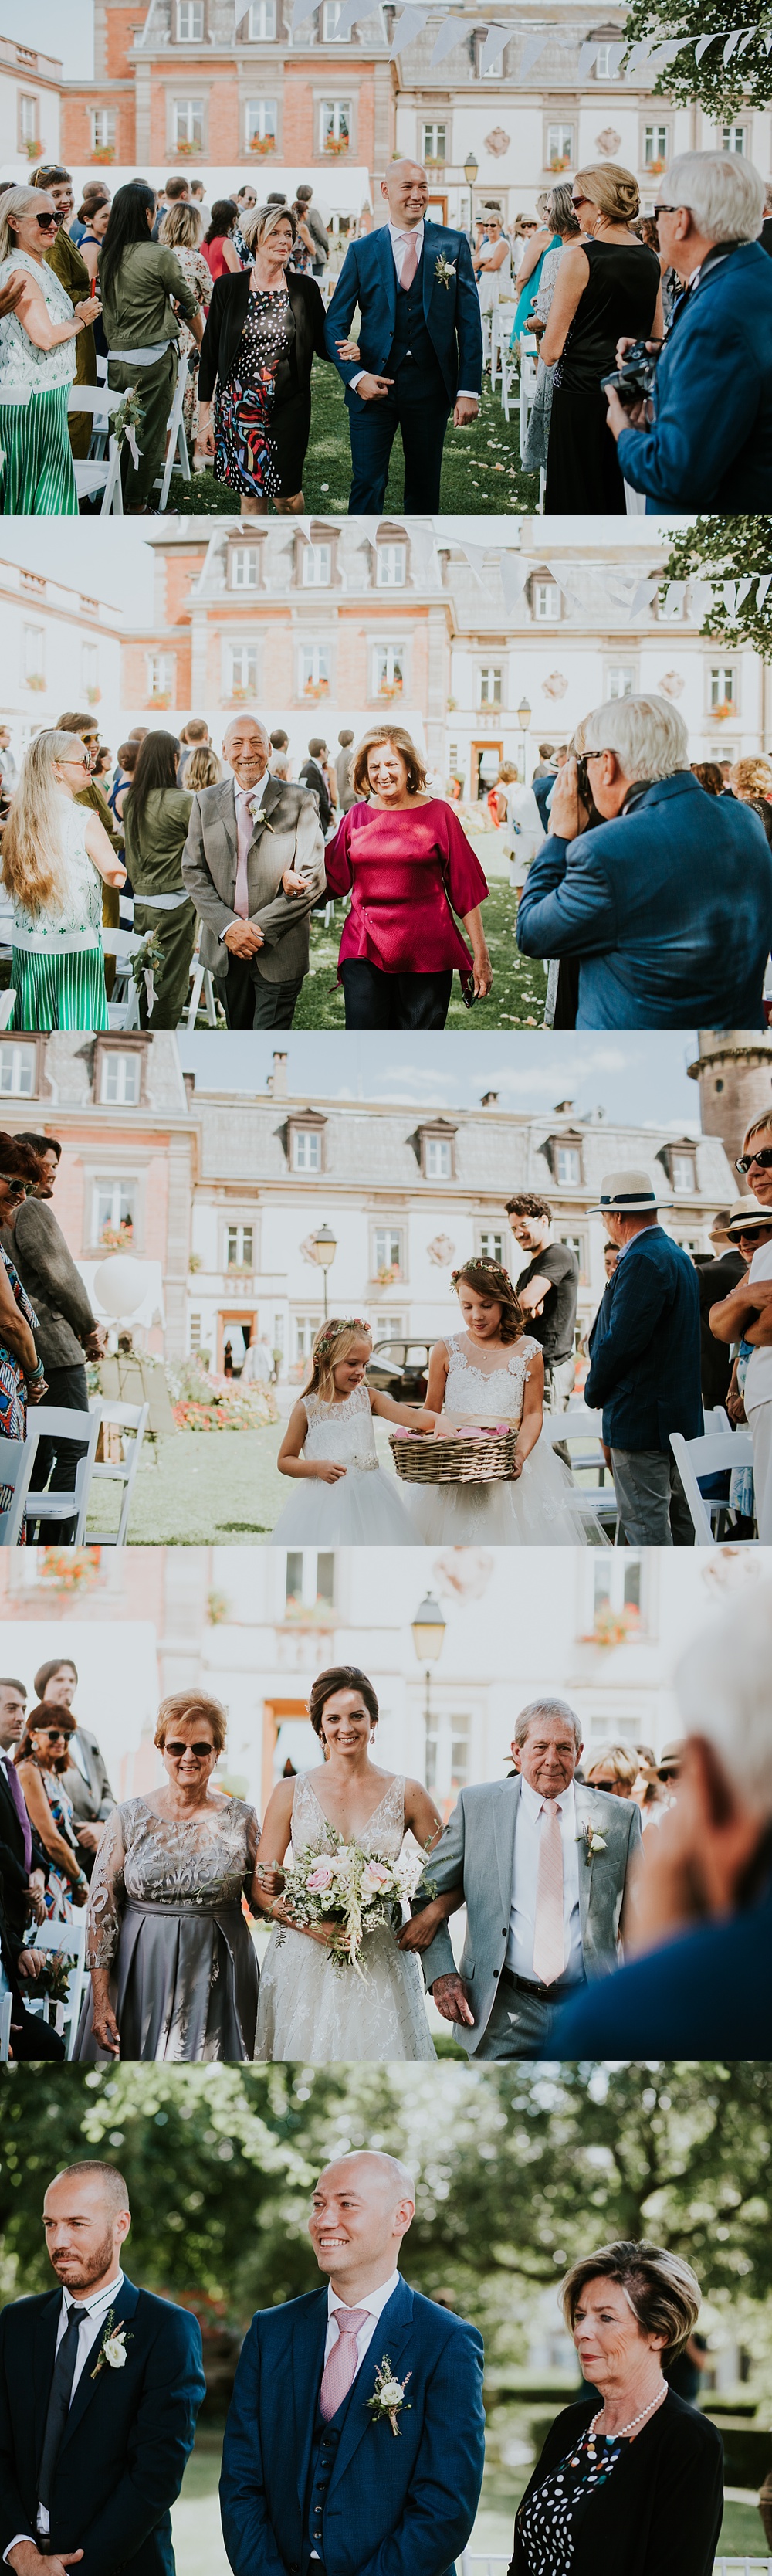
{"x": 263, "y": 331}
{"x": 634, "y": 2484}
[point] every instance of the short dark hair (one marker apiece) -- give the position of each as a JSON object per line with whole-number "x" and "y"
{"x": 46, "y": 1673}
{"x": 76, "y": 724}
{"x": 340, "y": 1677}
{"x": 317, "y": 746}
{"x": 40, "y": 1144}
{"x": 115, "y": 2187}
{"x": 19, "y": 1161}
{"x": 7, "y": 1682}
{"x": 526, "y": 1203}
{"x": 279, "y": 741}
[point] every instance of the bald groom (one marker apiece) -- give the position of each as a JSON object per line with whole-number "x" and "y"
{"x": 420, "y": 343}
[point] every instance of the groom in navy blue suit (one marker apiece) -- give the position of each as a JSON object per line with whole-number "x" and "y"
{"x": 354, "y": 2443}
{"x": 420, "y": 344}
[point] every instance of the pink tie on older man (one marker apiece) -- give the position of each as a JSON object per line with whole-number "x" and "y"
{"x": 549, "y": 1944}
{"x": 340, "y": 2370}
{"x": 245, "y": 827}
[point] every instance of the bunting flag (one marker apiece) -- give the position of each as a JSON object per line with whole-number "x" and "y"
{"x": 493, "y": 48}
{"x": 452, "y": 33}
{"x": 646, "y": 53}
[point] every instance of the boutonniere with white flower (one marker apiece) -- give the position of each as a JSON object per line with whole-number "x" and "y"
{"x": 388, "y": 2399}
{"x": 112, "y": 2349}
{"x": 592, "y": 1840}
{"x": 444, "y": 269}
{"x": 259, "y": 817}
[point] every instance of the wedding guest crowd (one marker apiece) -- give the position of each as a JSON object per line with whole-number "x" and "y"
{"x": 54, "y": 1799}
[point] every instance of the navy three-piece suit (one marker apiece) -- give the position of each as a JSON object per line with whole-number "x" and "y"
{"x": 304, "y": 2498}
{"x": 427, "y": 337}
{"x": 126, "y": 2440}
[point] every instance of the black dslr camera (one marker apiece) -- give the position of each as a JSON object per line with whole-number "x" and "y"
{"x": 634, "y": 380}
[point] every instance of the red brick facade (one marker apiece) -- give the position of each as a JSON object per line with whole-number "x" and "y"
{"x": 138, "y": 87}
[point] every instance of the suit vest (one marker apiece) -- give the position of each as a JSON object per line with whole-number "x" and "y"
{"x": 322, "y": 2462}
{"x": 411, "y": 338}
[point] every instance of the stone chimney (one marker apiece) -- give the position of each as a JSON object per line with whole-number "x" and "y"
{"x": 277, "y": 1080}
{"x": 490, "y": 1100}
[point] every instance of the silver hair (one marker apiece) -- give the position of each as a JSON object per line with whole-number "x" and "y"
{"x": 558, "y": 1709}
{"x": 722, "y": 1684}
{"x": 649, "y": 738}
{"x": 560, "y": 205}
{"x": 17, "y": 203}
{"x": 723, "y": 192}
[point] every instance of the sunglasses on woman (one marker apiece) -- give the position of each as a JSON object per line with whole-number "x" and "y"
{"x": 18, "y": 1189}
{"x": 48, "y": 223}
{"x": 202, "y": 1751}
{"x": 744, "y": 1162}
{"x": 54, "y": 1734}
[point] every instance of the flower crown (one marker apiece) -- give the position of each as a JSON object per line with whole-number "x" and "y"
{"x": 481, "y": 1261}
{"x": 340, "y": 1324}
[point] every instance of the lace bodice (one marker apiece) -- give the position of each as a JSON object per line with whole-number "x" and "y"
{"x": 474, "y": 1393}
{"x": 341, "y": 1431}
{"x": 20, "y": 362}
{"x": 146, "y": 1858}
{"x": 82, "y": 907}
{"x": 382, "y": 1837}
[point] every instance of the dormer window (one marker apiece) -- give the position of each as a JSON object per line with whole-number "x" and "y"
{"x": 680, "y": 1161}
{"x": 564, "y": 1155}
{"x": 190, "y": 22}
{"x": 243, "y": 567}
{"x": 305, "y": 1143}
{"x": 435, "y": 1141}
{"x": 316, "y": 561}
{"x": 545, "y": 601}
{"x": 390, "y": 567}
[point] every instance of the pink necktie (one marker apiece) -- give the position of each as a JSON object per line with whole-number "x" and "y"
{"x": 409, "y": 260}
{"x": 549, "y": 1947}
{"x": 245, "y": 826}
{"x": 340, "y": 2370}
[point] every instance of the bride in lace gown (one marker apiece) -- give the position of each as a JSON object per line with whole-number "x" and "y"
{"x": 494, "y": 1372}
{"x": 309, "y": 2008}
{"x": 173, "y": 1969}
{"x": 343, "y": 1498}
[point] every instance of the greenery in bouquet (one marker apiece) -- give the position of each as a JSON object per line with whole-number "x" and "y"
{"x": 355, "y": 1892}
{"x": 53, "y": 1980}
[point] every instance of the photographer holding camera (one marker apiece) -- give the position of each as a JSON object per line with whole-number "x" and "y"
{"x": 694, "y": 430}
{"x": 667, "y": 907}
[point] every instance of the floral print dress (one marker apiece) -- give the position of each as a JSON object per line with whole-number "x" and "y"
{"x": 13, "y": 1383}
{"x": 196, "y": 271}
{"x": 244, "y": 451}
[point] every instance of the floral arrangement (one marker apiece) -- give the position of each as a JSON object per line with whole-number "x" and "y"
{"x": 36, "y": 680}
{"x": 112, "y": 2349}
{"x": 337, "y": 143}
{"x": 146, "y": 964}
{"x": 262, "y": 143}
{"x": 358, "y": 1894}
{"x": 54, "y": 1979}
{"x": 34, "y": 151}
{"x": 126, "y": 419}
{"x": 388, "y": 2397}
{"x": 72, "y": 1569}
{"x": 103, "y": 152}
{"x": 117, "y": 1238}
{"x": 444, "y": 270}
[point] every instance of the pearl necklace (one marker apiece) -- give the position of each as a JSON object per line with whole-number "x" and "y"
{"x": 622, "y": 2429}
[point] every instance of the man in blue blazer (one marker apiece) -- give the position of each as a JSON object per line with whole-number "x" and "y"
{"x": 355, "y": 2438}
{"x": 668, "y": 903}
{"x": 420, "y": 344}
{"x": 100, "y": 2386}
{"x": 645, "y": 1363}
{"x": 704, "y": 442}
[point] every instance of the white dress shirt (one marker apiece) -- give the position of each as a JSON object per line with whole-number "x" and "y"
{"x": 374, "y": 2303}
{"x": 96, "y": 2310}
{"x": 522, "y": 1917}
{"x": 758, "y": 1376}
{"x": 400, "y": 236}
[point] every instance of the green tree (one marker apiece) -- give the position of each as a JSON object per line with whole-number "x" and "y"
{"x": 728, "y": 550}
{"x": 722, "y": 88}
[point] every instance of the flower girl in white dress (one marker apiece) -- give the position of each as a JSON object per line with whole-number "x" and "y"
{"x": 494, "y": 1372}
{"x": 329, "y": 1440}
{"x": 309, "y": 2008}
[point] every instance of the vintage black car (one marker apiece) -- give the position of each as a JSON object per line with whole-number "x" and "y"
{"x": 400, "y": 1369}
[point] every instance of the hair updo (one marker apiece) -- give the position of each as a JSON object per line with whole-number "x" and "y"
{"x": 613, "y": 190}
{"x": 340, "y": 1677}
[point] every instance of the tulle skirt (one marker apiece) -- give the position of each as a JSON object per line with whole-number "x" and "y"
{"x": 362, "y": 1509}
{"x": 539, "y": 1509}
{"x": 311, "y": 2010}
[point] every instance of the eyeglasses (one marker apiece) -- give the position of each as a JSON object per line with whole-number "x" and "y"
{"x": 203, "y": 1752}
{"x": 595, "y": 755}
{"x": 72, "y": 762}
{"x": 18, "y": 1189}
{"x": 745, "y": 1162}
{"x": 48, "y": 223}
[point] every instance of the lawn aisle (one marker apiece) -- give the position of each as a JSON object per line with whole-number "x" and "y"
{"x": 481, "y": 469}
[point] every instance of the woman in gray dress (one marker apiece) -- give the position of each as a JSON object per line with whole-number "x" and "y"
{"x": 173, "y": 1969}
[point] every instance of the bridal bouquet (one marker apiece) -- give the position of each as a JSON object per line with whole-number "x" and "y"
{"x": 357, "y": 1893}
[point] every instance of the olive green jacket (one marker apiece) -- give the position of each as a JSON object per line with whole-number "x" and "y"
{"x": 154, "y": 847}
{"x": 137, "y": 308}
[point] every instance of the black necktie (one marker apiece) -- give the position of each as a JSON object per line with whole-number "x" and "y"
{"x": 59, "y": 2403}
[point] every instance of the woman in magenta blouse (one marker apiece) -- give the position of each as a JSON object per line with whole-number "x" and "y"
{"x": 409, "y": 868}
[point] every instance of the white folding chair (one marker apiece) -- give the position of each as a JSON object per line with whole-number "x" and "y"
{"x": 201, "y": 981}
{"x": 64, "y": 1941}
{"x": 99, "y": 472}
{"x": 7, "y": 1007}
{"x": 580, "y": 1431}
{"x": 710, "y": 1456}
{"x": 55, "y": 1422}
{"x": 17, "y": 1458}
{"x": 123, "y": 1011}
{"x": 177, "y": 448}
{"x": 131, "y": 1419}
{"x": 5, "y": 2028}
{"x": 529, "y": 359}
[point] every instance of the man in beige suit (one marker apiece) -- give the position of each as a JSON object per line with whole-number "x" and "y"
{"x": 253, "y": 865}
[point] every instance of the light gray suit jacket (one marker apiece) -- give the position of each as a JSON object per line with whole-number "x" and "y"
{"x": 92, "y": 1800}
{"x": 477, "y": 1850}
{"x": 287, "y": 834}
{"x": 54, "y": 1286}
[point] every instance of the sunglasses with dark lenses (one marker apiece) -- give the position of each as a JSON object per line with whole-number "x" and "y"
{"x": 48, "y": 223}
{"x": 56, "y": 1734}
{"x": 202, "y": 1751}
{"x": 743, "y": 1162}
{"x": 18, "y": 1189}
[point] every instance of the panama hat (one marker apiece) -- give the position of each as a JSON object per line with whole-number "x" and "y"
{"x": 745, "y": 1216}
{"x": 627, "y": 1194}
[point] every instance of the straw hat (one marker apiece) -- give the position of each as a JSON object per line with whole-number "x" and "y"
{"x": 628, "y": 1194}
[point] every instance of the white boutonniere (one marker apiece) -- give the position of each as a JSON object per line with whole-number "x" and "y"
{"x": 389, "y": 2396}
{"x": 112, "y": 2349}
{"x": 444, "y": 269}
{"x": 259, "y": 817}
{"x": 592, "y": 1840}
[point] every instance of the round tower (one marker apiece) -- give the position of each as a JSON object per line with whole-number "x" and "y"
{"x": 734, "y": 1072}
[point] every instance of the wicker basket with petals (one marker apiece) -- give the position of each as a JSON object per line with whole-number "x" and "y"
{"x": 471, "y": 1457}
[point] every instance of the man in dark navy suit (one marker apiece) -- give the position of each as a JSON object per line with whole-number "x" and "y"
{"x": 314, "y": 2482}
{"x": 100, "y": 2386}
{"x": 704, "y": 441}
{"x": 702, "y": 1986}
{"x": 645, "y": 1363}
{"x": 420, "y": 344}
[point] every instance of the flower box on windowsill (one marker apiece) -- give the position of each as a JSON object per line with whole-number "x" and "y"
{"x": 654, "y": 169}
{"x": 188, "y": 151}
{"x": 160, "y": 697}
{"x": 238, "y": 697}
{"x": 33, "y": 151}
{"x": 103, "y": 152}
{"x": 390, "y": 689}
{"x": 35, "y": 680}
{"x": 262, "y": 144}
{"x": 614, "y": 1627}
{"x": 116, "y": 1238}
{"x": 388, "y": 1277}
{"x": 721, "y": 712}
{"x": 337, "y": 144}
{"x": 560, "y": 161}
{"x": 434, "y": 161}
{"x": 316, "y": 688}
{"x": 70, "y": 1569}
{"x": 93, "y": 697}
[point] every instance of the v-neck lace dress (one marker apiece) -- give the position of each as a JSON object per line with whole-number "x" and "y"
{"x": 315, "y": 2011}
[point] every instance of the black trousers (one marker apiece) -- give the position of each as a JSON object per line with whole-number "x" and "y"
{"x": 250, "y": 1003}
{"x": 418, "y": 407}
{"x": 57, "y": 1460}
{"x": 378, "y": 1001}
{"x": 31, "y": 2037}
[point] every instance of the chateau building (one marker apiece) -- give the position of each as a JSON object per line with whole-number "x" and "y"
{"x": 483, "y": 652}
{"x": 58, "y": 649}
{"x": 30, "y": 107}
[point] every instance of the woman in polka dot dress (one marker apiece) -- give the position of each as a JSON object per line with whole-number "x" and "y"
{"x": 264, "y": 329}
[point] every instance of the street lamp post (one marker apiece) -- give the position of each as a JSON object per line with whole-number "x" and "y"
{"x": 428, "y": 1629}
{"x": 325, "y": 1248}
{"x": 524, "y": 718}
{"x": 470, "y": 174}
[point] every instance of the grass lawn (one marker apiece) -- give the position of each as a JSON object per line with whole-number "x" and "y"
{"x": 481, "y": 468}
{"x": 516, "y": 1001}
{"x": 202, "y": 1489}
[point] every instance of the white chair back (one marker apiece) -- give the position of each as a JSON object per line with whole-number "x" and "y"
{"x": 123, "y": 1006}
{"x": 709, "y": 1456}
{"x": 201, "y": 981}
{"x": 55, "y": 1422}
{"x": 17, "y": 1459}
{"x": 98, "y": 472}
{"x": 5, "y": 2028}
{"x": 7, "y": 1007}
{"x": 177, "y": 447}
{"x": 132, "y": 1419}
{"x": 64, "y": 1941}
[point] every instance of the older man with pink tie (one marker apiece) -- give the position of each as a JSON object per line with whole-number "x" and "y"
{"x": 542, "y": 1864}
{"x": 253, "y": 865}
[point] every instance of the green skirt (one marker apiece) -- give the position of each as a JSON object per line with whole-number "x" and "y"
{"x": 37, "y": 477}
{"x": 59, "y": 992}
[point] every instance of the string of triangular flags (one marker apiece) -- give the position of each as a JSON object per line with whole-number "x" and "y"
{"x": 627, "y": 592}
{"x": 648, "y": 53}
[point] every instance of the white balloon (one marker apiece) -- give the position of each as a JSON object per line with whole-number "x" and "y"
{"x": 120, "y": 1285}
